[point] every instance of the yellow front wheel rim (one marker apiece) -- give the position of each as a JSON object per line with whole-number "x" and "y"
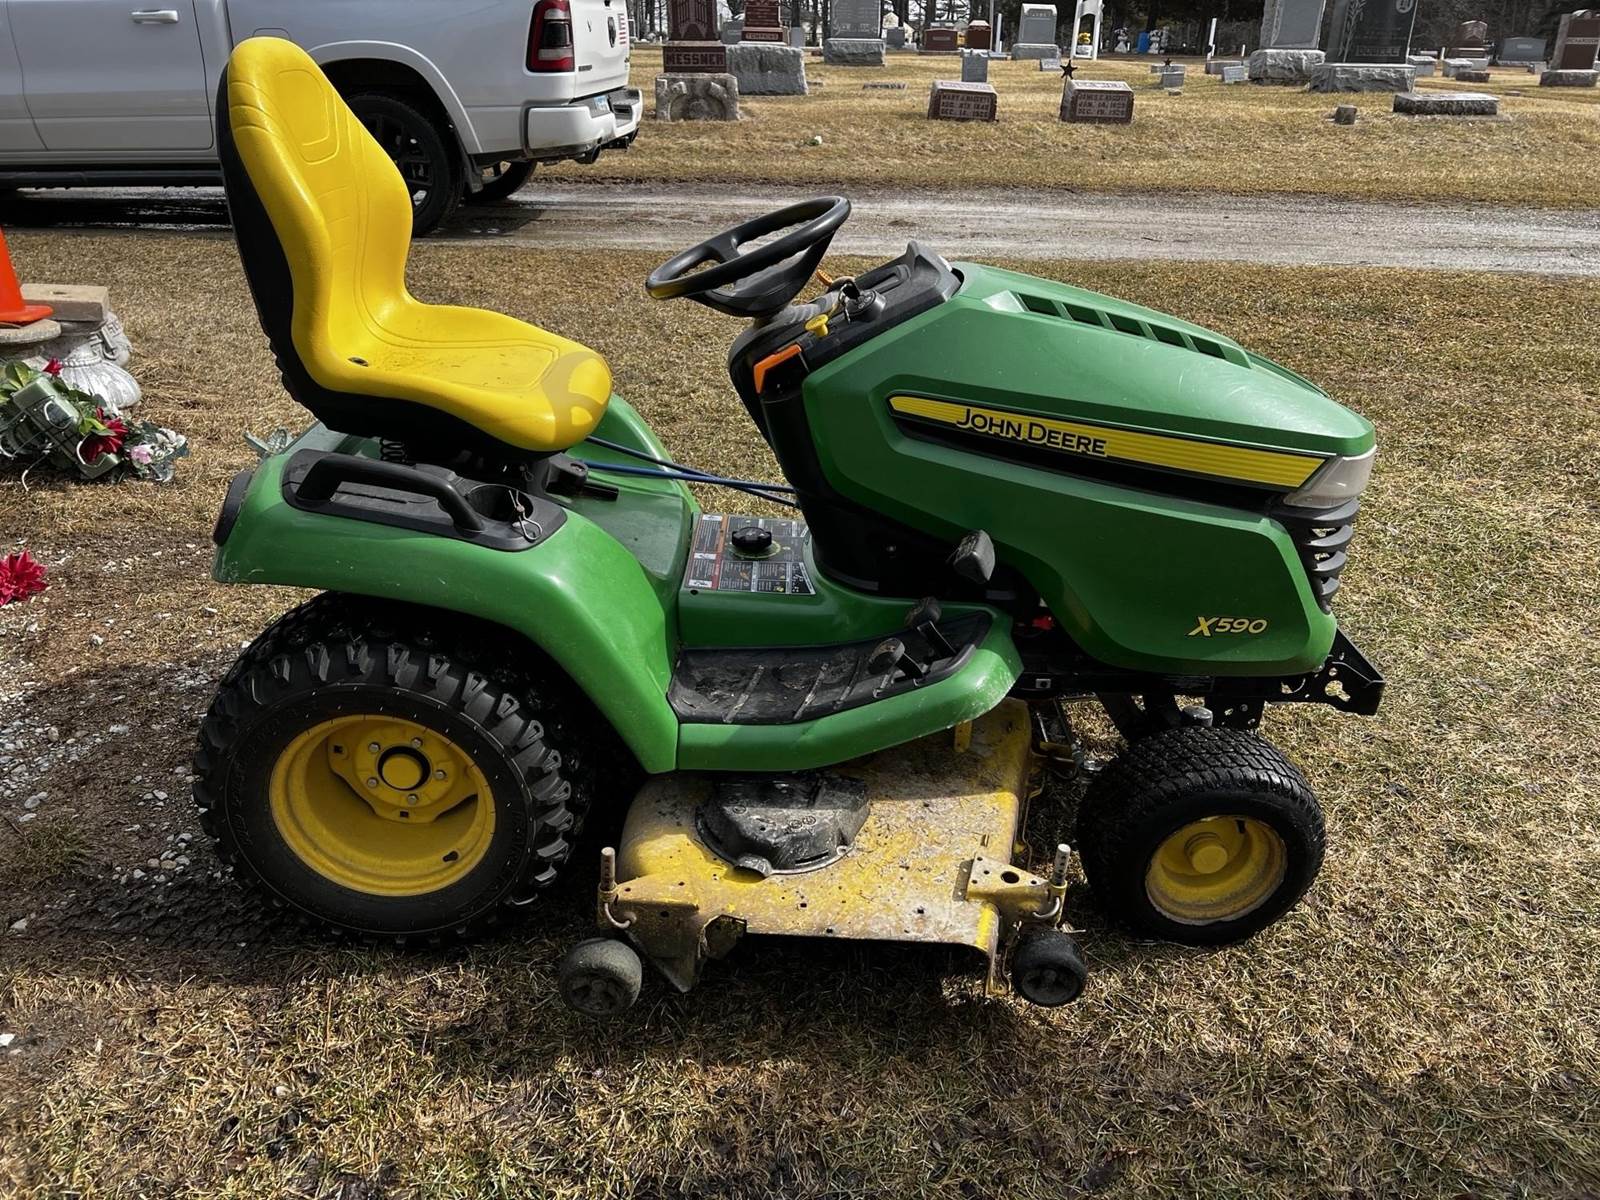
{"x": 382, "y": 805}
{"x": 1217, "y": 869}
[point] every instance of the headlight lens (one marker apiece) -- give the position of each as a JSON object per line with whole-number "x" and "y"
{"x": 1336, "y": 481}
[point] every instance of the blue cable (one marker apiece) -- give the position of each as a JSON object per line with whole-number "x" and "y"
{"x": 677, "y": 466}
{"x": 741, "y": 485}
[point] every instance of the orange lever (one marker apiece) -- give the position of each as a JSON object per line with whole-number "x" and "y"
{"x": 774, "y": 359}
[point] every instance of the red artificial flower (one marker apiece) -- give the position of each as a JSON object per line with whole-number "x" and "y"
{"x": 21, "y": 576}
{"x": 53, "y": 367}
{"x": 108, "y": 442}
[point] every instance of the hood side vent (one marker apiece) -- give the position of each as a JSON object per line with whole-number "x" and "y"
{"x": 1068, "y": 310}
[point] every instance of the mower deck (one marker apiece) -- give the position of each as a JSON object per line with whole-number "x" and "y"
{"x": 931, "y": 862}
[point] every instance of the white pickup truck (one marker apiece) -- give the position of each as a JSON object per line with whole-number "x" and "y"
{"x": 466, "y": 95}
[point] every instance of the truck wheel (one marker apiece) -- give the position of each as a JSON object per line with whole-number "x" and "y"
{"x": 422, "y": 149}
{"x": 1200, "y": 836}
{"x": 391, "y": 774}
{"x": 502, "y": 181}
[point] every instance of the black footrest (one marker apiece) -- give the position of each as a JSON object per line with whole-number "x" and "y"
{"x": 759, "y": 686}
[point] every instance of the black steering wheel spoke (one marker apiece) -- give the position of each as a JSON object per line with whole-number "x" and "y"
{"x": 758, "y": 281}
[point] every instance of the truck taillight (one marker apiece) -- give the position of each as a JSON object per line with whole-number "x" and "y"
{"x": 550, "y": 37}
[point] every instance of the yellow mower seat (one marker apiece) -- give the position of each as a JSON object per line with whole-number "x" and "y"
{"x": 340, "y": 213}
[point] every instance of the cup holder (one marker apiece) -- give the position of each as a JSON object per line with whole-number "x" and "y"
{"x": 494, "y": 501}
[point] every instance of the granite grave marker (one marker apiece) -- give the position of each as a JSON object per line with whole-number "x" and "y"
{"x": 1096, "y": 102}
{"x": 1371, "y": 31}
{"x": 1577, "y": 41}
{"x": 952, "y": 100}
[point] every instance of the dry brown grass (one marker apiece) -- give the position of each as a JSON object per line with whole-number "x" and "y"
{"x": 1245, "y": 139}
{"x": 1422, "y": 1026}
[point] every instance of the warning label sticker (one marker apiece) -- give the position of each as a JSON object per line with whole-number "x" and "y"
{"x": 715, "y": 566}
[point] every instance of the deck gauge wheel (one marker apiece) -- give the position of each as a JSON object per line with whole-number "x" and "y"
{"x": 1047, "y": 969}
{"x": 601, "y": 977}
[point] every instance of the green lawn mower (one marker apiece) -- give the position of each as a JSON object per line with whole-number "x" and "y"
{"x": 1007, "y": 494}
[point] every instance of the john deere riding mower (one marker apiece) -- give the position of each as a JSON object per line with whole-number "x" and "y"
{"x": 1007, "y": 494}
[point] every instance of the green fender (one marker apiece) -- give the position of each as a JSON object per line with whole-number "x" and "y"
{"x": 580, "y": 596}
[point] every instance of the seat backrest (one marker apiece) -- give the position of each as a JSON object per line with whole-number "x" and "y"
{"x": 321, "y": 216}
{"x": 339, "y": 209}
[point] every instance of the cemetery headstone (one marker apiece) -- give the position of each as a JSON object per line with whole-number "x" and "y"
{"x": 857, "y": 34}
{"x": 940, "y": 39}
{"x": 1577, "y": 41}
{"x": 1096, "y": 102}
{"x": 1214, "y": 65}
{"x": 1470, "y": 40}
{"x": 884, "y": 85}
{"x": 1569, "y": 78}
{"x": 1371, "y": 31}
{"x": 797, "y": 37}
{"x": 693, "y": 46}
{"x": 1036, "y": 33}
{"x": 853, "y": 52}
{"x": 857, "y": 19}
{"x": 1291, "y": 24}
{"x": 1521, "y": 50}
{"x": 1049, "y": 64}
{"x": 974, "y": 66}
{"x": 1362, "y": 77}
{"x": 1170, "y": 78}
{"x": 896, "y": 37}
{"x": 763, "y": 69}
{"x": 1472, "y": 76}
{"x": 1446, "y": 104}
{"x": 952, "y": 100}
{"x": 1344, "y": 114}
{"x": 1239, "y": 74}
{"x": 1283, "y": 66}
{"x": 979, "y": 35}
{"x": 1424, "y": 63}
{"x": 732, "y": 28}
{"x": 763, "y": 22}
{"x": 697, "y": 98}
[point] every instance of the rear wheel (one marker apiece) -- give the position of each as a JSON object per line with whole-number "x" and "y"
{"x": 501, "y": 181}
{"x": 421, "y": 149}
{"x": 390, "y": 778}
{"x": 1200, "y": 836}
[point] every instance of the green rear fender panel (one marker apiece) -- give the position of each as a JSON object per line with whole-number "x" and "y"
{"x": 1137, "y": 577}
{"x": 580, "y": 596}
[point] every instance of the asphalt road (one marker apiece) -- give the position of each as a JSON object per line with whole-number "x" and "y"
{"x": 1000, "y": 224}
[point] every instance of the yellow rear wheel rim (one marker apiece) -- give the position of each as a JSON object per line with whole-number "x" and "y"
{"x": 1217, "y": 869}
{"x": 382, "y": 805}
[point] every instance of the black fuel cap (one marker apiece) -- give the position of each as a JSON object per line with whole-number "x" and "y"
{"x": 752, "y": 540}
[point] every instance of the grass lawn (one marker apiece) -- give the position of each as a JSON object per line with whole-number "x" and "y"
{"x": 1422, "y": 1026}
{"x": 1543, "y": 150}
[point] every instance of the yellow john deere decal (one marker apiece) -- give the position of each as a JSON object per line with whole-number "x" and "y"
{"x": 1276, "y": 468}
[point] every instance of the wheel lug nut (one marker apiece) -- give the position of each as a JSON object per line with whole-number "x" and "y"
{"x": 374, "y": 747}
{"x": 416, "y": 742}
{"x": 412, "y": 798}
{"x": 372, "y": 782}
{"x": 439, "y": 774}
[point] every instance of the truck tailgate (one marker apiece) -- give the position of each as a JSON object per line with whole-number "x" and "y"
{"x": 600, "y": 44}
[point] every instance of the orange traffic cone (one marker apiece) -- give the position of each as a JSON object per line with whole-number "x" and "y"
{"x": 12, "y": 310}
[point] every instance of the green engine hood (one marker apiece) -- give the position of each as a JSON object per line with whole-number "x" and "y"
{"x": 1081, "y": 355}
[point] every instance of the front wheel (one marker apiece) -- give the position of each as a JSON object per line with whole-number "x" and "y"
{"x": 391, "y": 775}
{"x": 1200, "y": 836}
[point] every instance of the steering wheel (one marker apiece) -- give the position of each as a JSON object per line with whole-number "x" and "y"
{"x": 758, "y": 282}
